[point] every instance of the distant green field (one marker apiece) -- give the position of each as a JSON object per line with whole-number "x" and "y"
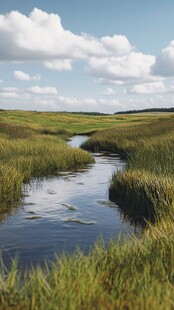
{"x": 76, "y": 123}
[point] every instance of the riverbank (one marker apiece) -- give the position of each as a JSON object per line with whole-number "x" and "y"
{"x": 146, "y": 188}
{"x": 25, "y": 153}
{"x": 137, "y": 274}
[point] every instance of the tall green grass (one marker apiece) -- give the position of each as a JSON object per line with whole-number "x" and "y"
{"x": 136, "y": 274}
{"x": 146, "y": 187}
{"x": 25, "y": 154}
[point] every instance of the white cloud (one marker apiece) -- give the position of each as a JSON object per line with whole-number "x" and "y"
{"x": 1, "y": 81}
{"x": 172, "y": 86}
{"x": 133, "y": 66}
{"x": 9, "y": 89}
{"x": 112, "y": 60}
{"x": 164, "y": 64}
{"x": 22, "y": 76}
{"x": 49, "y": 104}
{"x": 86, "y": 104}
{"x": 9, "y": 92}
{"x": 69, "y": 101}
{"x": 48, "y": 90}
{"x": 52, "y": 101}
{"x": 114, "y": 103}
{"x": 59, "y": 65}
{"x": 109, "y": 92}
{"x": 41, "y": 36}
{"x": 149, "y": 88}
{"x": 104, "y": 81}
{"x": 118, "y": 44}
{"x": 10, "y": 95}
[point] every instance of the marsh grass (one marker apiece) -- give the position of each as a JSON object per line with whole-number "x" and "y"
{"x": 143, "y": 195}
{"x": 134, "y": 274}
{"x": 25, "y": 154}
{"x": 15, "y": 131}
{"x": 76, "y": 123}
{"x": 146, "y": 188}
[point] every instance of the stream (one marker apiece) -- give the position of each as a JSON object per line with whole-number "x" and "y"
{"x": 60, "y": 213}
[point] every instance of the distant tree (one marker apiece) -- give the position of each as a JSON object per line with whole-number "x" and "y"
{"x": 146, "y": 110}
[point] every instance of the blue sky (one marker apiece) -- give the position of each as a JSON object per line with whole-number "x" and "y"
{"x": 77, "y": 55}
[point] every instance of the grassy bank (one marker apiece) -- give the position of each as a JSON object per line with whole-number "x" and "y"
{"x": 25, "y": 154}
{"x": 130, "y": 275}
{"x": 146, "y": 187}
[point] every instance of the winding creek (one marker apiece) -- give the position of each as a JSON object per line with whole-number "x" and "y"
{"x": 61, "y": 213}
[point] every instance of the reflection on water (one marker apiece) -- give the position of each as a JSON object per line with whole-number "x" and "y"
{"x": 62, "y": 212}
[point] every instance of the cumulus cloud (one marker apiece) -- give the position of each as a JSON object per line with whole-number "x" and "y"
{"x": 59, "y": 65}
{"x": 112, "y": 60}
{"x": 1, "y": 81}
{"x": 164, "y": 64}
{"x": 149, "y": 88}
{"x": 9, "y": 92}
{"x": 22, "y": 76}
{"x": 119, "y": 44}
{"x": 133, "y": 66}
{"x": 41, "y": 36}
{"x": 47, "y": 90}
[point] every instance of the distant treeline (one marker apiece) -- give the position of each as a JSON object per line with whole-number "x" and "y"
{"x": 146, "y": 110}
{"x": 101, "y": 114}
{"x": 87, "y": 113}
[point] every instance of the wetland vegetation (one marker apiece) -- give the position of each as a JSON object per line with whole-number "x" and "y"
{"x": 145, "y": 189}
{"x": 25, "y": 153}
{"x": 134, "y": 274}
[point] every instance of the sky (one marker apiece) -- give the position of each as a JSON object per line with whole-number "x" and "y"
{"x": 98, "y": 55}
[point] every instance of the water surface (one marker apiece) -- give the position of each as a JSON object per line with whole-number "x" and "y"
{"x": 62, "y": 212}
